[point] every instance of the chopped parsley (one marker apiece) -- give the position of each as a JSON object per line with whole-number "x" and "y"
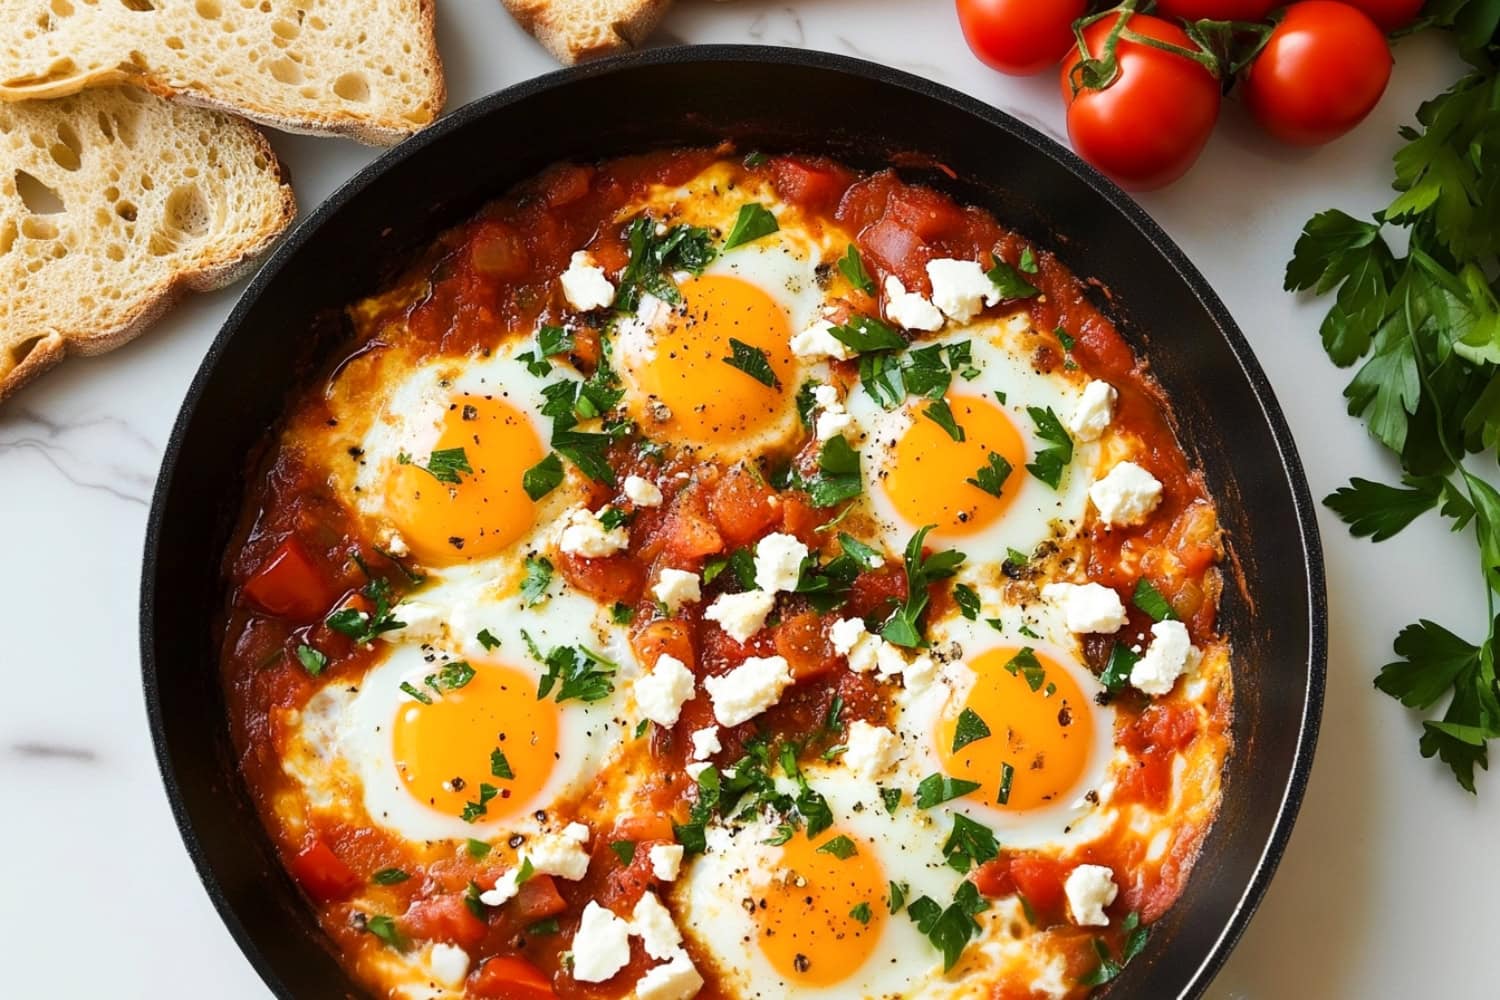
{"x": 861, "y": 912}
{"x": 621, "y": 613}
{"x": 553, "y": 340}
{"x": 1007, "y": 776}
{"x": 487, "y": 639}
{"x": 806, "y": 403}
{"x": 500, "y": 766}
{"x": 473, "y": 810}
{"x": 389, "y": 876}
{"x": 753, "y": 362}
{"x": 543, "y": 477}
{"x": 754, "y": 159}
{"x": 991, "y": 478}
{"x": 840, "y": 847}
{"x": 891, "y": 797}
{"x": 970, "y": 728}
{"x": 575, "y": 671}
{"x": 940, "y": 413}
{"x": 409, "y": 688}
{"x": 1151, "y": 601}
{"x": 865, "y": 334}
{"x": 1008, "y": 281}
{"x": 538, "y": 577}
{"x": 967, "y": 600}
{"x": 624, "y": 850}
{"x": 691, "y": 834}
{"x": 897, "y": 898}
{"x": 1050, "y": 461}
{"x": 1117, "y": 671}
{"x": 753, "y": 222}
{"x": 1028, "y": 666}
{"x": 838, "y": 478}
{"x": 1136, "y": 937}
{"x": 905, "y": 627}
{"x": 312, "y": 660}
{"x": 445, "y": 464}
{"x": 385, "y": 929}
{"x": 969, "y": 844}
{"x": 364, "y": 627}
{"x": 544, "y": 927}
{"x": 949, "y": 929}
{"x": 654, "y": 258}
{"x": 1028, "y": 261}
{"x": 450, "y": 677}
{"x": 937, "y": 788}
{"x": 478, "y": 849}
{"x": 852, "y": 266}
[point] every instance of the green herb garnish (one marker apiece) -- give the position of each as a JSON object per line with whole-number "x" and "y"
{"x": 970, "y": 727}
{"x": 753, "y": 362}
{"x": 1050, "y": 462}
{"x": 852, "y": 266}
{"x": 753, "y": 222}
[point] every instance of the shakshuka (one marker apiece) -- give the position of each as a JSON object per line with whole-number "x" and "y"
{"x": 706, "y": 574}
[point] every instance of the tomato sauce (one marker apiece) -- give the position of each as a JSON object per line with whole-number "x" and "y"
{"x": 300, "y": 554}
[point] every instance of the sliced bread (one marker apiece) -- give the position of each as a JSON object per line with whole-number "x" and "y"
{"x": 114, "y": 202}
{"x": 578, "y": 30}
{"x": 368, "y": 69}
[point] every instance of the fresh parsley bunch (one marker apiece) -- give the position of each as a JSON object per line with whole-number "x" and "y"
{"x": 1424, "y": 328}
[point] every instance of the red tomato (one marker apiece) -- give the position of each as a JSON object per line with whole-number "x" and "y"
{"x": 1019, "y": 36}
{"x": 813, "y": 183}
{"x": 444, "y": 918}
{"x": 1322, "y": 70}
{"x": 321, "y": 874}
{"x": 1147, "y": 127}
{"x": 509, "y": 978}
{"x": 1391, "y": 15}
{"x": 1217, "y": 10}
{"x": 290, "y": 584}
{"x": 537, "y": 899}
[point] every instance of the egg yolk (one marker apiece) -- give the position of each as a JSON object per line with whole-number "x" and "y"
{"x": 808, "y": 916}
{"x": 707, "y": 401}
{"x": 1040, "y": 739}
{"x": 927, "y": 480}
{"x": 446, "y": 750}
{"x": 486, "y": 509}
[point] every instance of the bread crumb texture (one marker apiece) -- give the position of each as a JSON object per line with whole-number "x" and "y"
{"x": 113, "y": 202}
{"x": 368, "y": 69}
{"x": 578, "y": 30}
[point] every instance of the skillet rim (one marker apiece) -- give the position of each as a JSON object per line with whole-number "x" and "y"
{"x": 769, "y": 57}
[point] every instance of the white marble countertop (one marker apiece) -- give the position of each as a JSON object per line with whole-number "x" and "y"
{"x": 1383, "y": 891}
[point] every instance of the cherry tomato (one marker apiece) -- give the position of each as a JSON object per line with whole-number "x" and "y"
{"x": 1021, "y": 37}
{"x": 290, "y": 584}
{"x": 322, "y": 874}
{"x": 1391, "y": 15}
{"x": 1322, "y": 70}
{"x": 1217, "y": 10}
{"x": 1147, "y": 127}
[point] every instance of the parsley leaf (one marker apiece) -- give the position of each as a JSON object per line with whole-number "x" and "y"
{"x": 445, "y": 464}
{"x": 864, "y": 334}
{"x": 1151, "y": 601}
{"x": 553, "y": 340}
{"x": 838, "y": 477}
{"x": 500, "y": 766}
{"x": 1117, "y": 671}
{"x": 906, "y": 624}
{"x": 753, "y": 222}
{"x": 575, "y": 671}
{"x": 840, "y": 847}
{"x": 852, "y": 266}
{"x": 1007, "y": 778}
{"x": 969, "y": 844}
{"x": 385, "y": 929}
{"x": 967, "y": 600}
{"x": 1029, "y": 667}
{"x": 861, "y": 912}
{"x": 487, "y": 639}
{"x": 624, "y": 850}
{"x": 654, "y": 257}
{"x": 949, "y": 929}
{"x": 991, "y": 478}
{"x": 970, "y": 728}
{"x": 538, "y": 577}
{"x": 543, "y": 477}
{"x": 940, "y": 413}
{"x": 363, "y": 627}
{"x": 312, "y": 660}
{"x": 937, "y": 788}
{"x": 753, "y": 362}
{"x": 1008, "y": 281}
{"x": 1050, "y": 462}
{"x": 1377, "y": 511}
{"x": 1108, "y": 969}
{"x": 389, "y": 876}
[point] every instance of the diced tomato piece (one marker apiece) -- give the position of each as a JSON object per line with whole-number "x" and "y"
{"x": 865, "y": 201}
{"x": 876, "y": 592}
{"x": 741, "y": 506}
{"x": 897, "y": 249}
{"x": 664, "y": 636}
{"x": 507, "y": 977}
{"x": 616, "y": 578}
{"x": 801, "y": 519}
{"x": 690, "y": 534}
{"x": 642, "y": 827}
{"x": 290, "y": 584}
{"x": 537, "y": 899}
{"x": 801, "y": 639}
{"x": 1161, "y": 727}
{"x": 993, "y": 879}
{"x": 568, "y": 183}
{"x": 1040, "y": 880}
{"x": 928, "y": 213}
{"x": 815, "y": 185}
{"x": 444, "y": 918}
{"x": 498, "y": 251}
{"x": 321, "y": 874}
{"x": 625, "y": 884}
{"x": 586, "y": 345}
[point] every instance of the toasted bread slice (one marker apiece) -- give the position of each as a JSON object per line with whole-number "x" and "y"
{"x": 578, "y": 30}
{"x": 114, "y": 202}
{"x": 368, "y": 69}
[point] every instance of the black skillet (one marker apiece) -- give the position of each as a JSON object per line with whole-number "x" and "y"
{"x": 768, "y": 99}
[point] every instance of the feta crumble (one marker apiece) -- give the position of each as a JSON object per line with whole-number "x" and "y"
{"x": 652, "y": 923}
{"x": 909, "y": 309}
{"x": 674, "y": 980}
{"x": 960, "y": 288}
{"x": 661, "y": 694}
{"x": 706, "y": 742}
{"x": 741, "y": 615}
{"x": 1170, "y": 653}
{"x": 872, "y": 750}
{"x": 449, "y": 964}
{"x": 601, "y": 947}
{"x": 1095, "y": 409}
{"x": 583, "y": 534}
{"x": 1088, "y": 607}
{"x": 1090, "y": 888}
{"x": 818, "y": 342}
{"x": 778, "y": 562}
{"x": 666, "y": 861}
{"x": 642, "y": 492}
{"x": 1126, "y": 495}
{"x": 749, "y": 689}
{"x": 585, "y": 286}
{"x": 676, "y": 587}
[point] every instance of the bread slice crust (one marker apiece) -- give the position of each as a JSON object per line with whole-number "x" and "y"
{"x": 576, "y": 31}
{"x": 367, "y": 69}
{"x": 113, "y": 205}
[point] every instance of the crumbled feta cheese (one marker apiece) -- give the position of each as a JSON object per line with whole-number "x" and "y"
{"x": 449, "y": 964}
{"x": 833, "y": 419}
{"x": 506, "y": 887}
{"x": 826, "y": 395}
{"x": 576, "y": 832}
{"x": 778, "y": 562}
{"x": 1090, "y": 888}
{"x": 960, "y": 288}
{"x": 674, "y": 980}
{"x": 706, "y": 742}
{"x": 909, "y": 309}
{"x": 846, "y": 633}
{"x": 652, "y": 923}
{"x": 561, "y": 855}
{"x": 749, "y": 689}
{"x": 601, "y": 947}
{"x": 1126, "y": 495}
{"x": 919, "y": 673}
{"x": 865, "y": 656}
{"x": 741, "y": 615}
{"x": 1095, "y": 409}
{"x": 818, "y": 342}
{"x": 585, "y": 285}
{"x": 1088, "y": 607}
{"x": 661, "y": 694}
{"x": 872, "y": 750}
{"x": 642, "y": 492}
{"x": 696, "y": 768}
{"x": 1170, "y": 653}
{"x": 666, "y": 861}
{"x": 396, "y": 545}
{"x": 424, "y": 622}
{"x": 584, "y": 535}
{"x": 889, "y": 660}
{"x": 676, "y": 587}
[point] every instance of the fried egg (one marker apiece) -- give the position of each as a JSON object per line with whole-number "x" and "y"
{"x": 919, "y": 474}
{"x": 419, "y": 750}
{"x": 443, "y": 462}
